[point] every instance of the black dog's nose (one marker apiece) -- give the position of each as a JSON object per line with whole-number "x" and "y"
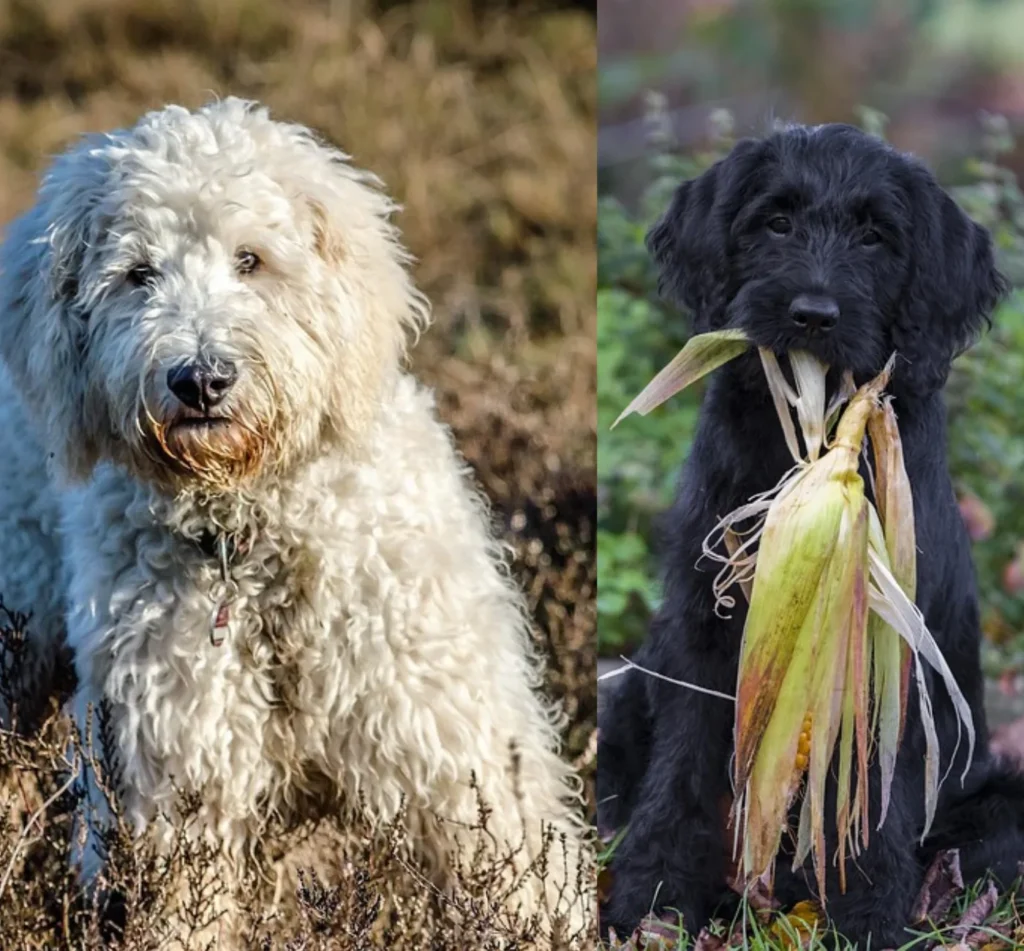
{"x": 201, "y": 387}
{"x": 814, "y": 313}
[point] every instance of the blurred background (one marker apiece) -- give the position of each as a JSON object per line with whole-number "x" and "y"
{"x": 679, "y": 80}
{"x": 932, "y": 66}
{"x": 480, "y": 118}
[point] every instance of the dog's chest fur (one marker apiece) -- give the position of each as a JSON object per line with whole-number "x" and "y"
{"x": 330, "y": 579}
{"x": 249, "y": 702}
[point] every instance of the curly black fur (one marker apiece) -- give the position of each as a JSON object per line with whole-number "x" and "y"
{"x": 831, "y": 212}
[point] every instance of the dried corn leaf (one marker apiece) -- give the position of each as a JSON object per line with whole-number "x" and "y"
{"x": 701, "y": 355}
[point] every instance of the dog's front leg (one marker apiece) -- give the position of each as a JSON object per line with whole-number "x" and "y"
{"x": 674, "y": 854}
{"x": 882, "y": 882}
{"x": 623, "y": 750}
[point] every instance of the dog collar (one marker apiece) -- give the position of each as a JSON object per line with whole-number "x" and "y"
{"x": 211, "y": 544}
{"x": 224, "y": 549}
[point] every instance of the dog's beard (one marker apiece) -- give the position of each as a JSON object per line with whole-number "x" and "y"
{"x": 220, "y": 453}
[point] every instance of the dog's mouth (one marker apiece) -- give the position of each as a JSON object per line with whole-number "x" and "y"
{"x": 837, "y": 363}
{"x": 826, "y": 348}
{"x": 218, "y": 446}
{"x": 187, "y": 418}
{"x": 200, "y": 423}
{"x": 863, "y": 361}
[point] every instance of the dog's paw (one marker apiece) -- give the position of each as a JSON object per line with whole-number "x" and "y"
{"x": 641, "y": 893}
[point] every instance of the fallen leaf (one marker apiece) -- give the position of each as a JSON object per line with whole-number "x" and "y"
{"x": 994, "y": 944}
{"x": 943, "y": 883}
{"x": 756, "y": 893}
{"x": 706, "y": 941}
{"x": 978, "y": 911}
{"x": 799, "y": 923}
{"x": 656, "y": 931}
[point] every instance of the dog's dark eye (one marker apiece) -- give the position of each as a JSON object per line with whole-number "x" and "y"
{"x": 246, "y": 261}
{"x": 780, "y": 225}
{"x": 871, "y": 237}
{"x": 141, "y": 275}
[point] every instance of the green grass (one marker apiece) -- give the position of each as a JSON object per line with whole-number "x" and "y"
{"x": 751, "y": 929}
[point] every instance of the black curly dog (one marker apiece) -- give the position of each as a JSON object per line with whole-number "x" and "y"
{"x": 825, "y": 239}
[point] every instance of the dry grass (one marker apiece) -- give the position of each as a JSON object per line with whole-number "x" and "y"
{"x": 482, "y": 124}
{"x": 355, "y": 884}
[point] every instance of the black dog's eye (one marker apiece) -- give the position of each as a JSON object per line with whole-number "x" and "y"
{"x": 246, "y": 261}
{"x": 141, "y": 275}
{"x": 780, "y": 225}
{"x": 871, "y": 237}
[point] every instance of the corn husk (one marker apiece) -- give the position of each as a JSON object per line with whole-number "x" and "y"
{"x": 832, "y": 634}
{"x": 823, "y": 676}
{"x": 701, "y": 355}
{"x": 892, "y": 533}
{"x": 809, "y": 606}
{"x": 808, "y": 399}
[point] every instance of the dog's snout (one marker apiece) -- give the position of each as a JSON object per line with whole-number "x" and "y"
{"x": 201, "y": 387}
{"x": 814, "y": 313}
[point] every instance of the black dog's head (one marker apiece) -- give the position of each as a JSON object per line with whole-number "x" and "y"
{"x": 830, "y": 240}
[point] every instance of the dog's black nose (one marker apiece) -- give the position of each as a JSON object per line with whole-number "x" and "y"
{"x": 813, "y": 313}
{"x": 201, "y": 387}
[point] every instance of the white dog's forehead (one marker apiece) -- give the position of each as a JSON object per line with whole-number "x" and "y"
{"x": 171, "y": 187}
{"x": 225, "y": 178}
{"x": 225, "y": 175}
{"x": 189, "y": 203}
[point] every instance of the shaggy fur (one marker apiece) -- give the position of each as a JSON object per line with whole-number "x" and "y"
{"x": 831, "y": 212}
{"x": 375, "y": 646}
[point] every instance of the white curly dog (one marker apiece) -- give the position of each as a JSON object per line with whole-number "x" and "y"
{"x": 219, "y": 485}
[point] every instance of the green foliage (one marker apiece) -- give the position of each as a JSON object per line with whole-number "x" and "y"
{"x": 986, "y": 430}
{"x": 638, "y": 461}
{"x": 637, "y": 334}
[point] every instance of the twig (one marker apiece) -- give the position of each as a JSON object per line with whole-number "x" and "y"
{"x": 650, "y": 673}
{"x": 589, "y": 754}
{"x": 35, "y": 817}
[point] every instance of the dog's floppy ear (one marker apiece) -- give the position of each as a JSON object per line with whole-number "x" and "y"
{"x": 367, "y": 289}
{"x": 43, "y": 324}
{"x": 690, "y": 242}
{"x": 327, "y": 242}
{"x": 352, "y": 228}
{"x": 952, "y": 288}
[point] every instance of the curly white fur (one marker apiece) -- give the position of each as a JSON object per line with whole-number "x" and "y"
{"x": 377, "y": 647}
